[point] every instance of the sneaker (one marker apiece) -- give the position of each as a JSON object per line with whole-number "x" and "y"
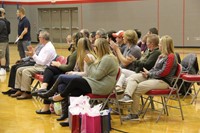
{"x": 2, "y": 72}
{"x": 119, "y": 90}
{"x": 131, "y": 117}
{"x": 126, "y": 99}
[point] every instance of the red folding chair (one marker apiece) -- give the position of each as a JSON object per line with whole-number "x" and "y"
{"x": 39, "y": 76}
{"x": 106, "y": 98}
{"x": 166, "y": 95}
{"x": 191, "y": 79}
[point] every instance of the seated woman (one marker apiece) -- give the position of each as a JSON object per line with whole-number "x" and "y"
{"x": 160, "y": 76}
{"x": 101, "y": 75}
{"x": 84, "y": 49}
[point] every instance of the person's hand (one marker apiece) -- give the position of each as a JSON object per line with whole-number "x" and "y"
{"x": 145, "y": 73}
{"x": 20, "y": 37}
{"x": 145, "y": 70}
{"x": 131, "y": 58}
{"x": 29, "y": 53}
{"x": 18, "y": 61}
{"x": 113, "y": 45}
{"x": 69, "y": 73}
{"x": 55, "y": 63}
{"x": 88, "y": 60}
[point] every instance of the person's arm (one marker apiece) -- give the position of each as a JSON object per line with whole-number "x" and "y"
{"x": 149, "y": 62}
{"x": 166, "y": 68}
{"x": 23, "y": 33}
{"x": 99, "y": 71}
{"x": 85, "y": 67}
{"x": 71, "y": 63}
{"x": 1, "y": 26}
{"x": 123, "y": 60}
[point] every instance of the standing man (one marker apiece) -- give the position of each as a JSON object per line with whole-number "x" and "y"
{"x": 7, "y": 56}
{"x": 3, "y": 43}
{"x": 24, "y": 34}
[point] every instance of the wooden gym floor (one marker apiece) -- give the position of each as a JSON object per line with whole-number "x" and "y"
{"x": 18, "y": 116}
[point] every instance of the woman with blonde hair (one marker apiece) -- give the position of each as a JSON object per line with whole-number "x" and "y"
{"x": 159, "y": 77}
{"x": 101, "y": 73}
{"x": 101, "y": 76}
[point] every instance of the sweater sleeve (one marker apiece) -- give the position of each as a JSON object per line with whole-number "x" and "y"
{"x": 100, "y": 70}
{"x": 166, "y": 68}
{"x": 71, "y": 63}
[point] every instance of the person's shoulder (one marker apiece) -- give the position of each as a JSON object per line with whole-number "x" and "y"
{"x": 109, "y": 57}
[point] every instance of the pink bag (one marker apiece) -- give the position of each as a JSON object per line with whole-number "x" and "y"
{"x": 90, "y": 124}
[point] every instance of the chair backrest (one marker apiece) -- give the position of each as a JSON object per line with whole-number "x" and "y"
{"x": 178, "y": 70}
{"x": 178, "y": 57}
{"x": 177, "y": 75}
{"x": 61, "y": 59}
{"x": 118, "y": 74}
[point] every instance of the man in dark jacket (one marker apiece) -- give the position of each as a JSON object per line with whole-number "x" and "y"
{"x": 3, "y": 43}
{"x": 7, "y": 55}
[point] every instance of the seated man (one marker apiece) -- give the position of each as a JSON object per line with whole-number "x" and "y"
{"x": 43, "y": 59}
{"x": 159, "y": 77}
{"x": 27, "y": 61}
{"x": 147, "y": 61}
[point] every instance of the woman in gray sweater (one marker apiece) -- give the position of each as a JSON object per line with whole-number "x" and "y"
{"x": 101, "y": 77}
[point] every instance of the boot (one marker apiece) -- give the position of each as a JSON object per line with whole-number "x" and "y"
{"x": 50, "y": 92}
{"x": 64, "y": 105}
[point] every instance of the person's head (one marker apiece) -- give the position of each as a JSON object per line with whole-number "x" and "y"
{"x": 69, "y": 39}
{"x": 110, "y": 36}
{"x": 75, "y": 38}
{"x": 152, "y": 41}
{"x": 44, "y": 37}
{"x": 83, "y": 48}
{"x": 153, "y": 31}
{"x": 92, "y": 37}
{"x": 139, "y": 33}
{"x": 166, "y": 45}
{"x": 101, "y": 48}
{"x": 101, "y": 33}
{"x": 2, "y": 12}
{"x": 85, "y": 33}
{"x": 20, "y": 12}
{"x": 37, "y": 34}
{"x": 119, "y": 37}
{"x": 130, "y": 36}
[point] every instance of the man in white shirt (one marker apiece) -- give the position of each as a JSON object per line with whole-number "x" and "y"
{"x": 43, "y": 59}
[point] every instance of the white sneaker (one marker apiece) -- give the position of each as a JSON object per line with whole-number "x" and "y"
{"x": 2, "y": 72}
{"x": 126, "y": 99}
{"x": 131, "y": 117}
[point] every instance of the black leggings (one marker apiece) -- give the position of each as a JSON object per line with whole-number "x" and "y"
{"x": 76, "y": 87}
{"x": 51, "y": 73}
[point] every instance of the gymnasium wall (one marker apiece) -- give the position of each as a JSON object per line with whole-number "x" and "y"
{"x": 177, "y": 18}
